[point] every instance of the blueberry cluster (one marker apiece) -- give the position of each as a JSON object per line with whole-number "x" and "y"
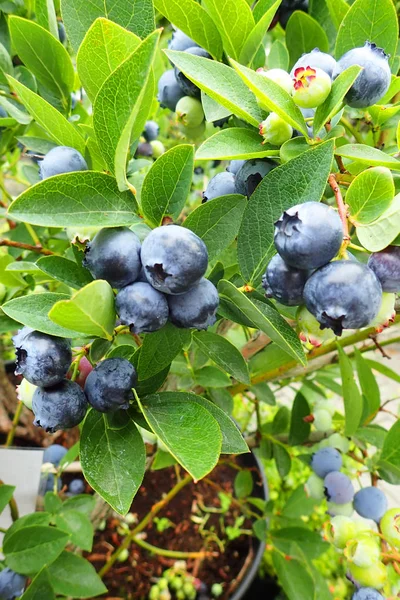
{"x": 240, "y": 177}
{"x": 149, "y": 145}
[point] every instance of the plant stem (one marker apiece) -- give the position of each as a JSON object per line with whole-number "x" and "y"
{"x": 352, "y": 130}
{"x": 13, "y": 508}
{"x": 33, "y": 235}
{"x": 155, "y": 509}
{"x": 11, "y": 433}
{"x": 342, "y": 209}
{"x": 13, "y": 244}
{"x": 170, "y": 553}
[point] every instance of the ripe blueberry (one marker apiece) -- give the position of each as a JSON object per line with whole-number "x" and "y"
{"x": 197, "y": 308}
{"x": 316, "y": 59}
{"x": 59, "y": 407}
{"x": 109, "y": 385}
{"x": 374, "y": 80}
{"x": 151, "y": 131}
{"x": 77, "y": 486}
{"x": 54, "y": 454}
{"x": 367, "y": 594}
{"x": 180, "y": 41}
{"x": 142, "y": 307}
{"x": 189, "y": 112}
{"x": 144, "y": 149}
{"x": 325, "y": 461}
{"x": 62, "y": 34}
{"x": 338, "y": 488}
{"x": 288, "y": 7}
{"x": 234, "y": 166}
{"x": 11, "y": 584}
{"x": 187, "y": 86}
{"x": 169, "y": 91}
{"x": 221, "y": 184}
{"x": 114, "y": 255}
{"x": 284, "y": 283}
{"x": 61, "y": 159}
{"x": 311, "y": 87}
{"x": 343, "y": 295}
{"x": 386, "y": 266}
{"x": 251, "y": 174}
{"x": 370, "y": 503}
{"x": 275, "y": 130}
{"x": 279, "y": 76}
{"x": 174, "y": 259}
{"x": 42, "y": 359}
{"x": 308, "y": 235}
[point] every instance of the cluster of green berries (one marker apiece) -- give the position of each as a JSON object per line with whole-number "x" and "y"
{"x": 177, "y": 584}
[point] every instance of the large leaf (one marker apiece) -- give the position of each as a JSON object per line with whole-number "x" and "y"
{"x": 256, "y": 36}
{"x": 369, "y": 385}
{"x": 368, "y": 156}
{"x": 160, "y": 348}
{"x": 372, "y": 20}
{"x": 337, "y": 11}
{"x": 90, "y": 311}
{"x": 272, "y": 96}
{"x": 221, "y": 83}
{"x": 195, "y": 21}
{"x": 31, "y": 548}
{"x": 167, "y": 184}
{"x": 265, "y": 318}
{"x": 235, "y": 143}
{"x": 189, "y": 431}
{"x": 294, "y": 578}
{"x": 223, "y": 353}
{"x": 73, "y": 576}
{"x": 302, "y": 179}
{"x": 57, "y": 126}
{"x": 353, "y": 402}
{"x": 40, "y": 588}
{"x": 105, "y": 47}
{"x": 234, "y": 21}
{"x": 370, "y": 194}
{"x": 380, "y": 233}
{"x": 303, "y": 34}
{"x": 33, "y": 311}
{"x": 217, "y": 222}
{"x": 81, "y": 199}
{"x": 119, "y": 107}
{"x": 135, "y": 15}
{"x": 64, "y": 270}
{"x": 44, "y": 56}
{"x": 113, "y": 459}
{"x": 46, "y": 16}
{"x": 389, "y": 462}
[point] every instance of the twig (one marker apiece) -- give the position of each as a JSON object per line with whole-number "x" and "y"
{"x": 339, "y": 162}
{"x": 374, "y": 338}
{"x": 13, "y": 244}
{"x": 342, "y": 209}
{"x": 170, "y": 553}
{"x": 11, "y": 433}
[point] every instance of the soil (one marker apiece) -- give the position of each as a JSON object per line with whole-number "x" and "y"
{"x": 132, "y": 579}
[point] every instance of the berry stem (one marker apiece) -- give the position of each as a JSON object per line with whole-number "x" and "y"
{"x": 170, "y": 553}
{"x": 342, "y": 209}
{"x": 11, "y": 433}
{"x": 13, "y": 244}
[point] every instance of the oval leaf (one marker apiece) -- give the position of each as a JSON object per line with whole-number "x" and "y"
{"x": 71, "y": 575}
{"x": 31, "y": 548}
{"x": 370, "y": 194}
{"x": 223, "y": 353}
{"x": 235, "y": 143}
{"x": 377, "y": 235}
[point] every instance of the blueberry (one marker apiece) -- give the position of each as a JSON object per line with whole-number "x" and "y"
{"x": 371, "y": 503}
{"x": 221, "y": 184}
{"x": 42, "y": 359}
{"x": 367, "y": 594}
{"x": 61, "y": 159}
{"x": 284, "y": 283}
{"x": 54, "y": 454}
{"x": 151, "y": 131}
{"x": 3, "y": 113}
{"x": 275, "y": 130}
{"x": 11, "y": 584}
{"x": 374, "y": 80}
{"x": 169, "y": 91}
{"x": 77, "y": 486}
{"x": 59, "y": 407}
{"x": 325, "y": 461}
{"x": 235, "y": 165}
{"x": 316, "y": 59}
{"x": 142, "y": 307}
{"x": 386, "y": 266}
{"x": 338, "y": 488}
{"x": 251, "y": 174}
{"x": 343, "y": 295}
{"x": 308, "y": 235}
{"x": 174, "y": 259}
{"x": 109, "y": 385}
{"x": 189, "y": 112}
{"x": 197, "y": 308}
{"x": 180, "y": 41}
{"x": 144, "y": 149}
{"x": 62, "y": 34}
{"x": 114, "y": 255}
{"x": 187, "y": 86}
{"x": 288, "y": 7}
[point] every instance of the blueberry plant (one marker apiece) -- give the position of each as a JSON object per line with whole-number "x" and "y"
{"x": 138, "y": 306}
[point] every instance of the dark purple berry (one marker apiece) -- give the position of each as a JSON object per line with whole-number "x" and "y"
{"x": 109, "y": 386}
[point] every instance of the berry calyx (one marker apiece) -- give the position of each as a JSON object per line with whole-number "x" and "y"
{"x": 311, "y": 87}
{"x": 275, "y": 130}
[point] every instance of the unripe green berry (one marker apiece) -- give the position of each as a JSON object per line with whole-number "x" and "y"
{"x": 328, "y": 405}
{"x": 390, "y": 526}
{"x": 374, "y": 576}
{"x": 176, "y": 583}
{"x": 322, "y": 420}
{"x": 386, "y": 314}
{"x": 275, "y": 130}
{"x": 217, "y": 590}
{"x": 165, "y": 595}
{"x": 25, "y": 391}
{"x": 345, "y": 510}
{"x": 340, "y": 530}
{"x": 124, "y": 555}
{"x": 188, "y": 587}
{"x": 280, "y": 77}
{"x": 364, "y": 551}
{"x": 162, "y": 583}
{"x": 309, "y": 330}
{"x": 311, "y": 87}
{"x": 190, "y": 111}
{"x": 154, "y": 593}
{"x": 158, "y": 148}
{"x": 194, "y": 133}
{"x": 340, "y": 442}
{"x": 315, "y": 487}
{"x": 180, "y": 595}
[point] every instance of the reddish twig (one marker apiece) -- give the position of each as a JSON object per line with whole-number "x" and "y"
{"x": 342, "y": 209}
{"x": 13, "y": 244}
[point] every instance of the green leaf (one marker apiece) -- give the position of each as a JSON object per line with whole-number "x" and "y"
{"x": 211, "y": 377}
{"x": 135, "y": 15}
{"x": 113, "y": 460}
{"x": 385, "y": 370}
{"x": 221, "y": 83}
{"x": 234, "y": 143}
{"x": 15, "y": 113}
{"x": 310, "y": 541}
{"x": 160, "y": 348}
{"x": 369, "y": 385}
{"x": 272, "y": 97}
{"x": 52, "y": 502}
{"x": 90, "y": 311}
{"x": 370, "y": 194}
{"x": 29, "y": 549}
{"x": 7, "y": 277}
{"x": 243, "y": 484}
{"x": 299, "y": 429}
{"x": 353, "y": 402}
{"x": 39, "y": 588}
{"x": 337, "y": 10}
{"x": 106, "y": 45}
{"x": 371, "y": 434}
{"x": 368, "y": 156}
{"x": 234, "y": 21}
{"x": 380, "y": 233}
{"x": 265, "y": 318}
{"x": 189, "y": 431}
{"x": 256, "y": 36}
{"x": 328, "y": 109}
{"x": 223, "y": 353}
{"x": 278, "y": 191}
{"x": 303, "y": 34}
{"x": 82, "y": 503}
{"x": 78, "y": 526}
{"x": 67, "y": 200}
{"x": 33, "y": 311}
{"x": 6, "y": 493}
{"x": 212, "y": 110}
{"x": 64, "y": 270}
{"x": 195, "y": 21}
{"x": 263, "y": 393}
{"x": 38, "y": 518}
{"x": 44, "y": 56}
{"x": 118, "y": 111}
{"x": 72, "y": 575}
{"x": 389, "y": 462}
{"x": 363, "y": 22}
{"x": 282, "y": 460}
{"x": 217, "y": 222}
{"x": 167, "y": 184}
{"x": 46, "y": 16}
{"x": 298, "y": 504}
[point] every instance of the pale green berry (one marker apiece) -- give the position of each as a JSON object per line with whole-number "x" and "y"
{"x": 154, "y": 593}
{"x": 390, "y": 526}
{"x": 176, "y": 583}
{"x": 124, "y": 555}
{"x": 363, "y": 551}
{"x": 180, "y": 595}
{"x": 340, "y": 530}
{"x": 217, "y": 590}
{"x": 346, "y": 510}
{"x": 280, "y": 77}
{"x": 326, "y": 404}
{"x": 311, "y": 87}
{"x": 25, "y": 391}
{"x": 194, "y": 133}
{"x": 275, "y": 130}
{"x": 158, "y": 148}
{"x": 162, "y": 583}
{"x": 309, "y": 330}
{"x": 340, "y": 442}
{"x": 386, "y": 314}
{"x": 165, "y": 595}
{"x": 374, "y": 576}
{"x": 189, "y": 111}
{"x": 315, "y": 487}
{"x": 322, "y": 420}
{"x": 188, "y": 588}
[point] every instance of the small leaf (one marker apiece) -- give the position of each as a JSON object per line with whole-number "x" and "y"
{"x": 64, "y": 270}
{"x": 256, "y": 36}
{"x": 282, "y": 460}
{"x": 234, "y": 143}
{"x": 278, "y": 58}
{"x": 369, "y": 385}
{"x": 243, "y": 484}
{"x": 78, "y": 526}
{"x": 383, "y": 231}
{"x": 31, "y": 548}
{"x": 298, "y": 504}
{"x": 72, "y": 575}
{"x": 370, "y": 194}
{"x": 368, "y": 156}
{"x": 160, "y": 348}
{"x": 223, "y": 353}
{"x": 311, "y": 542}
{"x": 281, "y": 420}
{"x": 299, "y": 429}
{"x": 353, "y": 403}
{"x": 234, "y": 21}
{"x": 303, "y": 34}
{"x": 389, "y": 462}
{"x": 6, "y": 493}
{"x": 211, "y": 377}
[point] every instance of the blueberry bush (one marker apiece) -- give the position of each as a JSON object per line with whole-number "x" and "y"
{"x": 200, "y": 210}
